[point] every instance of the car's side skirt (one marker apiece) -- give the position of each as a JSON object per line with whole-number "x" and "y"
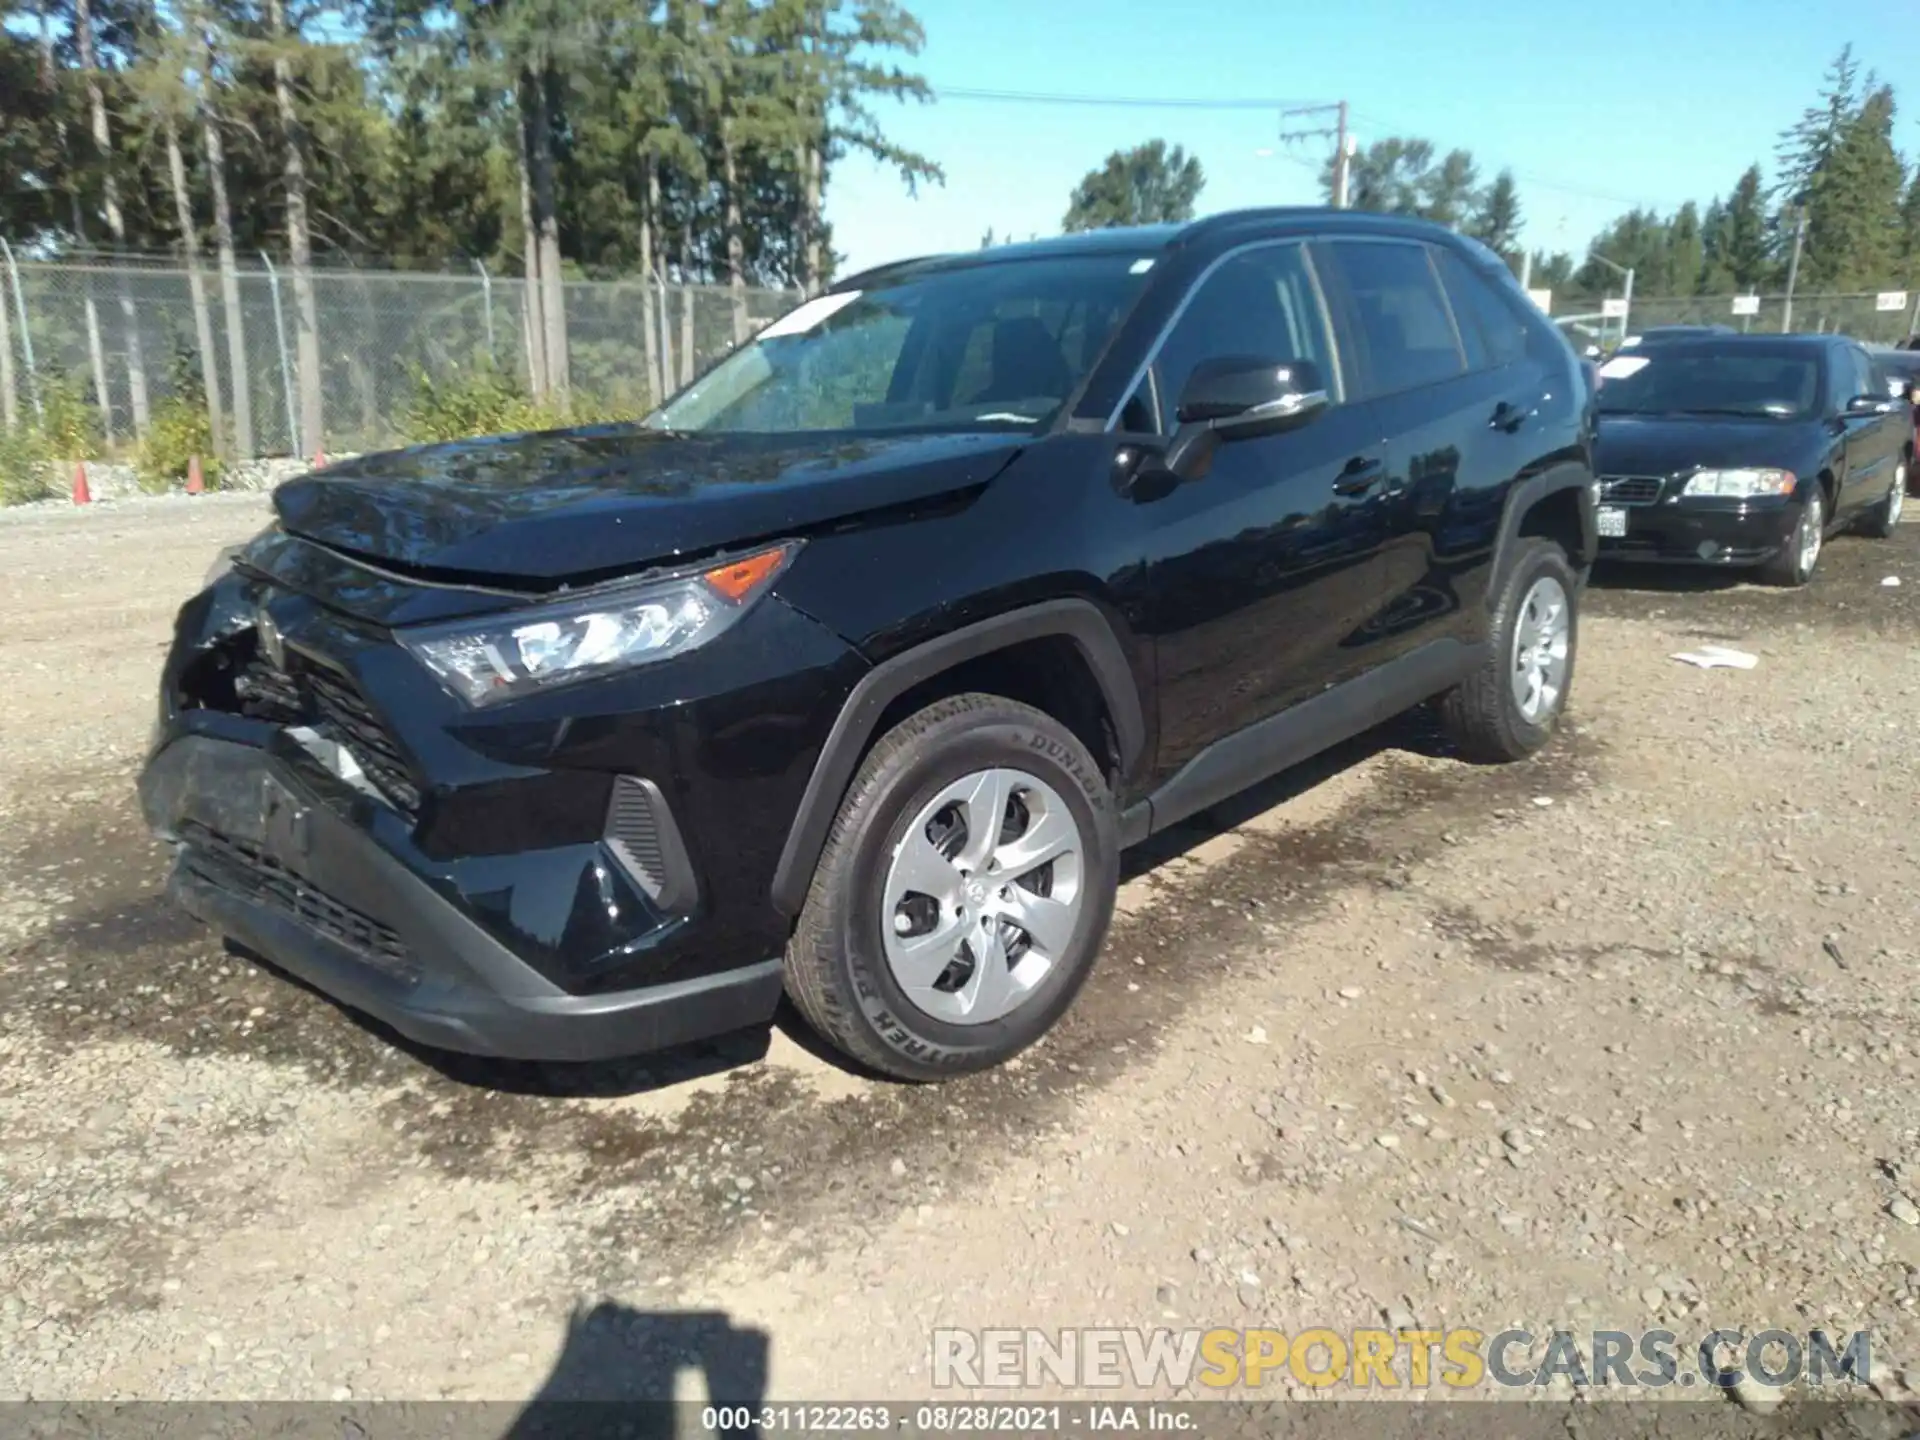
{"x": 1264, "y": 749}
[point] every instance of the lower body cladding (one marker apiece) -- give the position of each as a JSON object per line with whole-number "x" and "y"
{"x": 1711, "y": 533}
{"x": 266, "y": 855}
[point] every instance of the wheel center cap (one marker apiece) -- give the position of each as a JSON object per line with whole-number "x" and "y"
{"x": 976, "y": 892}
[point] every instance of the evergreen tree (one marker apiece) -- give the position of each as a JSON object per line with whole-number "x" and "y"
{"x": 1147, "y": 185}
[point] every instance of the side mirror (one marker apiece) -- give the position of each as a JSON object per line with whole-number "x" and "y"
{"x": 1869, "y": 405}
{"x": 1237, "y": 398}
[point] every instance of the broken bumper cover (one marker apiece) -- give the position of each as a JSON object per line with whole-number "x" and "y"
{"x": 264, "y": 858}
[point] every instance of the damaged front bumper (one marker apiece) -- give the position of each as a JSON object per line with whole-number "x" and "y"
{"x": 266, "y": 852}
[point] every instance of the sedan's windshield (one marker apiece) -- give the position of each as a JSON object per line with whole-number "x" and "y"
{"x": 992, "y": 346}
{"x": 1710, "y": 382}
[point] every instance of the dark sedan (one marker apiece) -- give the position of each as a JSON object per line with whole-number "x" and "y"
{"x": 1747, "y": 451}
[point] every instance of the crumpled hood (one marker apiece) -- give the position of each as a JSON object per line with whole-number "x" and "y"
{"x": 1668, "y": 445}
{"x": 560, "y": 505}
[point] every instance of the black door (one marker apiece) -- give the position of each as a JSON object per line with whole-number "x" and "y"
{"x": 1873, "y": 440}
{"x": 1252, "y": 572}
{"x": 1443, "y": 448}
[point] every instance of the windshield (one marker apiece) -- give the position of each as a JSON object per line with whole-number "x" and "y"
{"x": 994, "y": 346}
{"x": 1695, "y": 382}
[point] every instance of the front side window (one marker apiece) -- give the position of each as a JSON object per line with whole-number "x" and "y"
{"x": 1260, "y": 304}
{"x": 1671, "y": 381}
{"x": 1402, "y": 317}
{"x": 998, "y": 345}
{"x": 1863, "y": 381}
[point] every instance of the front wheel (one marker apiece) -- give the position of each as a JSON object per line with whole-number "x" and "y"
{"x": 1507, "y": 708}
{"x": 1884, "y": 518}
{"x": 1794, "y": 564}
{"x": 963, "y": 894}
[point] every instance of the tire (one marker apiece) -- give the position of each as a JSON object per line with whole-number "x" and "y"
{"x": 1795, "y": 563}
{"x": 1484, "y": 715}
{"x": 841, "y": 970}
{"x": 1884, "y": 518}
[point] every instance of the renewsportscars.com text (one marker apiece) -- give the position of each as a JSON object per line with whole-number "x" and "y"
{"x": 1377, "y": 1359}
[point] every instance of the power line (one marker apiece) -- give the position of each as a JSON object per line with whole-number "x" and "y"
{"x": 1120, "y": 102}
{"x": 1538, "y": 181}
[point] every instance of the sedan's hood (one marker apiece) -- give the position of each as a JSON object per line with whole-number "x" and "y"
{"x": 561, "y": 505}
{"x": 1669, "y": 444}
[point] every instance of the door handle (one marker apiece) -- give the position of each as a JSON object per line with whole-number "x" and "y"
{"x": 1510, "y": 417}
{"x": 1361, "y": 474}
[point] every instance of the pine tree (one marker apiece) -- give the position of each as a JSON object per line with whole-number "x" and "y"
{"x": 1147, "y": 185}
{"x": 1496, "y": 222}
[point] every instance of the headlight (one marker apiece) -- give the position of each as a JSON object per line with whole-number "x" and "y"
{"x": 1740, "y": 484}
{"x": 485, "y": 662}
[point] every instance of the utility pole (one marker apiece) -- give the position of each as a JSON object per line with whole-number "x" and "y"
{"x": 1793, "y": 266}
{"x": 1342, "y": 142}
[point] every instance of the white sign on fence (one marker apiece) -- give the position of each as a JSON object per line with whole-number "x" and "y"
{"x": 1890, "y": 300}
{"x": 1746, "y": 304}
{"x": 1542, "y": 298}
{"x": 1613, "y": 309}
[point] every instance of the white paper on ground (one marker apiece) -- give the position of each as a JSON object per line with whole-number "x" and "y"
{"x": 1715, "y": 657}
{"x": 1891, "y": 580}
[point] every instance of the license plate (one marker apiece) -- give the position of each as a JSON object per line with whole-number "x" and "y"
{"x": 1613, "y": 522}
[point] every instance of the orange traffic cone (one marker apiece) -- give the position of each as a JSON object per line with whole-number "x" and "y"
{"x": 196, "y": 482}
{"x": 81, "y": 494}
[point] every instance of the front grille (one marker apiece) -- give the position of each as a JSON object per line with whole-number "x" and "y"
{"x": 244, "y": 869}
{"x": 342, "y": 709}
{"x": 1631, "y": 489}
{"x": 308, "y": 693}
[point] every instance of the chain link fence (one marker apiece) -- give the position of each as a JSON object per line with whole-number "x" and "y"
{"x": 379, "y": 332}
{"x": 1858, "y": 315}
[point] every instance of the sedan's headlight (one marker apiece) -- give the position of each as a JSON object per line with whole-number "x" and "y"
{"x": 1740, "y": 484}
{"x": 487, "y": 661}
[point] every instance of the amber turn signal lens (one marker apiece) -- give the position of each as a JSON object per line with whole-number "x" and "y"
{"x": 738, "y": 579}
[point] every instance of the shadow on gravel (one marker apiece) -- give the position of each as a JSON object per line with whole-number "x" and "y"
{"x": 618, "y": 1367}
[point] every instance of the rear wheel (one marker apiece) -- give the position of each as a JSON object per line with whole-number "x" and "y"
{"x": 1884, "y": 518}
{"x": 1797, "y": 558}
{"x": 1507, "y": 709}
{"x": 963, "y": 894}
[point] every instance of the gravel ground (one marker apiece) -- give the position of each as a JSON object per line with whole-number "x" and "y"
{"x": 1621, "y": 1036}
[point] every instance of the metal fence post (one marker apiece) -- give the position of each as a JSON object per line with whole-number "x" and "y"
{"x": 486, "y": 299}
{"x": 26, "y": 335}
{"x": 286, "y": 373}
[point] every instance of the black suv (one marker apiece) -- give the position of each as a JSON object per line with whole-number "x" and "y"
{"x": 850, "y": 671}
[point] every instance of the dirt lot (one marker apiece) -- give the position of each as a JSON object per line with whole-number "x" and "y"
{"x": 1620, "y": 1035}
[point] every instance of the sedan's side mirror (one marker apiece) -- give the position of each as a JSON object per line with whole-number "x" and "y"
{"x": 1869, "y": 405}
{"x": 1237, "y": 398}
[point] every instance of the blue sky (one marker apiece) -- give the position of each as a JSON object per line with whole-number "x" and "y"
{"x": 1595, "y": 109}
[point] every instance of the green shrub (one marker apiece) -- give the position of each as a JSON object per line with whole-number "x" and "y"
{"x": 36, "y": 453}
{"x": 178, "y": 429}
{"x": 26, "y": 471}
{"x": 486, "y": 400}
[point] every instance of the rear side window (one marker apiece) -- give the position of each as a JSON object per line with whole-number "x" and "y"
{"x": 1405, "y": 329}
{"x": 1489, "y": 329}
